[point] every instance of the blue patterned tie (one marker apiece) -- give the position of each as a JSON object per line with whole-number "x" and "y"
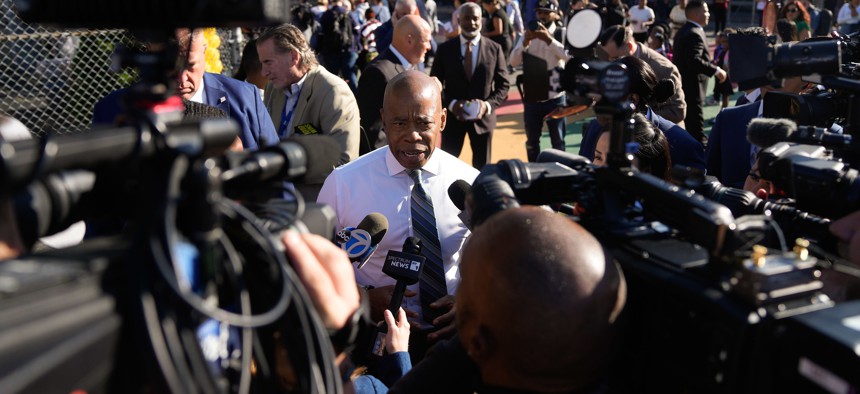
{"x": 432, "y": 281}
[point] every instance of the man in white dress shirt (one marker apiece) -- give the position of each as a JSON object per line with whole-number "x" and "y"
{"x": 382, "y": 181}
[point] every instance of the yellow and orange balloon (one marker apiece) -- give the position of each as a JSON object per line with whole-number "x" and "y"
{"x": 213, "y": 54}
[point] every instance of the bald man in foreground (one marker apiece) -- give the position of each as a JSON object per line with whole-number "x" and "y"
{"x": 537, "y": 311}
{"x": 410, "y": 42}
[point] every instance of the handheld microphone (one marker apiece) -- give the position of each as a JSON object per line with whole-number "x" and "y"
{"x": 404, "y": 266}
{"x": 360, "y": 242}
{"x": 457, "y": 192}
{"x": 768, "y": 132}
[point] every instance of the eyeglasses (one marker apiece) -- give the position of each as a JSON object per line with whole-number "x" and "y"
{"x": 790, "y": 10}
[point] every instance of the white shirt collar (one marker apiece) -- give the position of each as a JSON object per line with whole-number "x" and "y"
{"x": 474, "y": 41}
{"x": 753, "y": 96}
{"x": 403, "y": 61}
{"x": 394, "y": 167}
{"x": 200, "y": 95}
{"x": 296, "y": 88}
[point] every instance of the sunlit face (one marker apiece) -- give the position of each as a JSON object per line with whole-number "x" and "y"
{"x": 470, "y": 23}
{"x": 280, "y": 68}
{"x": 418, "y": 45}
{"x": 190, "y": 77}
{"x": 413, "y": 118}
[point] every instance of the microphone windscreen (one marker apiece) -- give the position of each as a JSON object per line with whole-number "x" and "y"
{"x": 457, "y": 193}
{"x": 765, "y": 132}
{"x": 559, "y": 156}
{"x": 323, "y": 154}
{"x": 376, "y": 224}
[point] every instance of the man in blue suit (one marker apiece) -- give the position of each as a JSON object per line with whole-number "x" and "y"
{"x": 729, "y": 155}
{"x": 240, "y": 100}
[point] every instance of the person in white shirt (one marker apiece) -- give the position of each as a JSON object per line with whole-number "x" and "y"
{"x": 641, "y": 17}
{"x": 382, "y": 181}
{"x": 544, "y": 43}
{"x": 849, "y": 17}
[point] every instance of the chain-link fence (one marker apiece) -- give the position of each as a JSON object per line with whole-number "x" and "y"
{"x": 51, "y": 78}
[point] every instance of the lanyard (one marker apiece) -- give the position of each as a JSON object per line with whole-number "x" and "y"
{"x": 286, "y": 117}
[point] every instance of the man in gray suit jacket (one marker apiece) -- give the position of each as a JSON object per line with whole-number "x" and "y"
{"x": 304, "y": 99}
{"x": 617, "y": 41}
{"x": 410, "y": 43}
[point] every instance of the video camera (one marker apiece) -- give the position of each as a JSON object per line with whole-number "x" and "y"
{"x": 718, "y": 302}
{"x": 192, "y": 292}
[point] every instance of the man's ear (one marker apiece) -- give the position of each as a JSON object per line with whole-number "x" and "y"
{"x": 631, "y": 47}
{"x": 443, "y": 119}
{"x": 481, "y": 346}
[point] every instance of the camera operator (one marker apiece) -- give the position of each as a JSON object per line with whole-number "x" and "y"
{"x": 685, "y": 150}
{"x": 543, "y": 40}
{"x": 729, "y": 155}
{"x": 528, "y": 321}
{"x": 617, "y": 41}
{"x": 652, "y": 156}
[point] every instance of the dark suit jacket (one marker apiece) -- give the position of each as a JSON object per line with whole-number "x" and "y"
{"x": 728, "y": 153}
{"x": 240, "y": 100}
{"x": 371, "y": 91}
{"x": 683, "y": 148}
{"x": 691, "y": 56}
{"x": 489, "y": 81}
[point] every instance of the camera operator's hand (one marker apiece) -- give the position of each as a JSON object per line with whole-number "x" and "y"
{"x": 541, "y": 33}
{"x": 847, "y": 229}
{"x": 720, "y": 75}
{"x": 326, "y": 273}
{"x": 380, "y": 299}
{"x": 446, "y": 323}
{"x": 397, "y": 337}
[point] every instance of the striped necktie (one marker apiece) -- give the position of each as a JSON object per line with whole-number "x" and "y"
{"x": 432, "y": 280}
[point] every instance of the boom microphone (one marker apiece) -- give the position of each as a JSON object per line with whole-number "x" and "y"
{"x": 768, "y": 132}
{"x": 360, "y": 242}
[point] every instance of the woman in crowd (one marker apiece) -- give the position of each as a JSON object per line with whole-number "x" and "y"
{"x": 653, "y": 155}
{"x": 796, "y": 12}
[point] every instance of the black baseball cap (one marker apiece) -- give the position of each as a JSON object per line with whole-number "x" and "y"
{"x": 549, "y": 5}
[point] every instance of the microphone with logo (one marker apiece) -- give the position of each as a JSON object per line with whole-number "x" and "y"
{"x": 360, "y": 242}
{"x": 405, "y": 267}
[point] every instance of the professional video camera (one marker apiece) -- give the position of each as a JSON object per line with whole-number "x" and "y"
{"x": 716, "y": 304}
{"x": 195, "y": 293}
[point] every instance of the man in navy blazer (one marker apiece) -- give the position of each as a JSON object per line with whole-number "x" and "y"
{"x": 240, "y": 100}
{"x": 729, "y": 154}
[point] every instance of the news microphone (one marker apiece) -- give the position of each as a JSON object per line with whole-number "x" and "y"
{"x": 360, "y": 242}
{"x": 768, "y": 132}
{"x": 457, "y": 192}
{"x": 405, "y": 267}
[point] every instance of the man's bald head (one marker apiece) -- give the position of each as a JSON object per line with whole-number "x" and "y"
{"x": 411, "y": 38}
{"x": 538, "y": 302}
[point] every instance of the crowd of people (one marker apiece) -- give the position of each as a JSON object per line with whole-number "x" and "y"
{"x": 372, "y": 77}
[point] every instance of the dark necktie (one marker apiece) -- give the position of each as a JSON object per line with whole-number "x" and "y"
{"x": 467, "y": 60}
{"x": 432, "y": 281}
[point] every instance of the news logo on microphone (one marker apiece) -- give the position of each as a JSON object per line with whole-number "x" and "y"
{"x": 354, "y": 241}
